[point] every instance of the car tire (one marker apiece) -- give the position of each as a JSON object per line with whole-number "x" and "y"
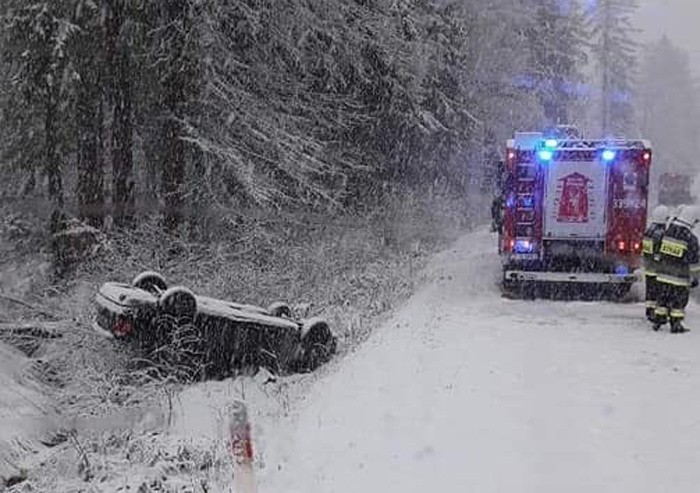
{"x": 178, "y": 302}
{"x": 317, "y": 342}
{"x": 150, "y": 281}
{"x": 280, "y": 309}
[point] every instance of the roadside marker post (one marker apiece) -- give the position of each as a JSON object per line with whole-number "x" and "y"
{"x": 241, "y": 448}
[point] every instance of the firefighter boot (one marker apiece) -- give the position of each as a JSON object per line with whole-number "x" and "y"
{"x": 651, "y": 315}
{"x": 677, "y": 317}
{"x": 660, "y": 317}
{"x": 677, "y": 327}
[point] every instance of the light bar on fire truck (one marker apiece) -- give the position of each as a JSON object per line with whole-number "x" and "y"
{"x": 532, "y": 141}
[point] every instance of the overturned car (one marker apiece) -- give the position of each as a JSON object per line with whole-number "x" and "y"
{"x": 177, "y": 330}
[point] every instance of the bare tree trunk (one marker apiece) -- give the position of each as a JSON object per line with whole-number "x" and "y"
{"x": 52, "y": 164}
{"x": 122, "y": 156}
{"x": 121, "y": 91}
{"x": 173, "y": 173}
{"x": 90, "y": 187}
{"x": 177, "y": 87}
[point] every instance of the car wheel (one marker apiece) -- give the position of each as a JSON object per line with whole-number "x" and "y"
{"x": 178, "y": 302}
{"x": 150, "y": 281}
{"x": 280, "y": 309}
{"x": 318, "y": 343}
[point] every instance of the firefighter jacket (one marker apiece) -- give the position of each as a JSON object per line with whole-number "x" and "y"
{"x": 651, "y": 245}
{"x": 678, "y": 256}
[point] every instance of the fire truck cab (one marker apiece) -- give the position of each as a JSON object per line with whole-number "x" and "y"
{"x": 574, "y": 215}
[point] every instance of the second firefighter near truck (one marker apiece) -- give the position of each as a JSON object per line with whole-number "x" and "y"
{"x": 677, "y": 269}
{"x": 651, "y": 244}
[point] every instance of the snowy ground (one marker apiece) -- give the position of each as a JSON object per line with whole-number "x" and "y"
{"x": 22, "y": 405}
{"x": 465, "y": 391}
{"x": 460, "y": 390}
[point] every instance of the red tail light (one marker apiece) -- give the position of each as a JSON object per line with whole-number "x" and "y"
{"x": 621, "y": 246}
{"x": 637, "y": 246}
{"x": 122, "y": 328}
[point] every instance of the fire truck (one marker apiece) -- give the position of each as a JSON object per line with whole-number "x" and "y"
{"x": 574, "y": 214}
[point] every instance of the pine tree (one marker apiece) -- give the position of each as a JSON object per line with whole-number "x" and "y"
{"x": 120, "y": 32}
{"x": 670, "y": 109}
{"x": 556, "y": 40}
{"x": 87, "y": 55}
{"x": 174, "y": 51}
{"x": 615, "y": 54}
{"x": 35, "y": 47}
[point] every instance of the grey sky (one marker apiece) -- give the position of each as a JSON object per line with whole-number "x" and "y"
{"x": 676, "y": 18}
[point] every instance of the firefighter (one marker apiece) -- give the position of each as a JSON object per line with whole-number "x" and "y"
{"x": 677, "y": 269}
{"x": 497, "y": 214}
{"x": 650, "y": 254}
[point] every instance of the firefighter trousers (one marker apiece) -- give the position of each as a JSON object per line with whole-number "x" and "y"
{"x": 671, "y": 301}
{"x": 652, "y": 291}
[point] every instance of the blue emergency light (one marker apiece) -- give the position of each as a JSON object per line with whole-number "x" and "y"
{"x": 545, "y": 155}
{"x": 523, "y": 246}
{"x": 608, "y": 155}
{"x": 551, "y": 143}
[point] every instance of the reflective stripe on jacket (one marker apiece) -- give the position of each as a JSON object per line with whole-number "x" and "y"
{"x": 678, "y": 255}
{"x": 651, "y": 244}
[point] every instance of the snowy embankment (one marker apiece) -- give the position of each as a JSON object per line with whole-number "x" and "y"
{"x": 460, "y": 390}
{"x": 23, "y": 405}
{"x": 465, "y": 391}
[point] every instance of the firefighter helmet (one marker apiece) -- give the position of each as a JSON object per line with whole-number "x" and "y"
{"x": 660, "y": 214}
{"x": 689, "y": 215}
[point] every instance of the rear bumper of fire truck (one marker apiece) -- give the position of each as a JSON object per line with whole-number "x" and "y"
{"x": 519, "y": 276}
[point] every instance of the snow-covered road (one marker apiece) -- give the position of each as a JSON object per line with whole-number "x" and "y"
{"x": 465, "y": 391}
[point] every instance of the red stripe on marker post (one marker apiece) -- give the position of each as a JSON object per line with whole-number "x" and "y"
{"x": 241, "y": 448}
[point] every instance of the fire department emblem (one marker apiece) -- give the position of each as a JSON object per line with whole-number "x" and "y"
{"x": 573, "y": 199}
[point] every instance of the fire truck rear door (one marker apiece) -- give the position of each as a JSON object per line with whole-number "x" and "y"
{"x": 575, "y": 200}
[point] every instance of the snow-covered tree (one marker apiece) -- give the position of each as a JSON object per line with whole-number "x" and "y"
{"x": 260, "y": 103}
{"x": 173, "y": 51}
{"x": 669, "y": 107}
{"x": 556, "y": 38}
{"x": 615, "y": 54}
{"x": 34, "y": 44}
{"x": 87, "y": 55}
{"x": 121, "y": 35}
